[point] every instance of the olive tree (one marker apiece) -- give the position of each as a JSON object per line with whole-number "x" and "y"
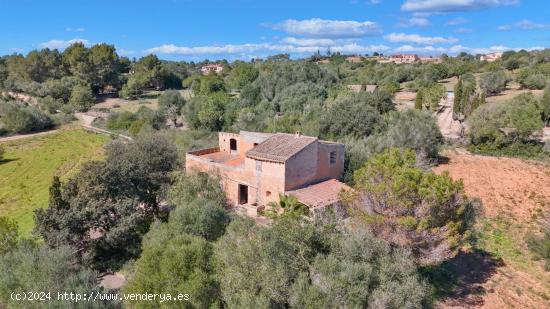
{"x": 493, "y": 82}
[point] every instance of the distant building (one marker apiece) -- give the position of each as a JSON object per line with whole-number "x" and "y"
{"x": 209, "y": 68}
{"x": 430, "y": 59}
{"x": 491, "y": 57}
{"x": 355, "y": 59}
{"x": 360, "y": 88}
{"x": 404, "y": 58}
{"x": 255, "y": 168}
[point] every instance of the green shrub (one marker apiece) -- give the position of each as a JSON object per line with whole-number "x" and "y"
{"x": 498, "y": 125}
{"x": 493, "y": 82}
{"x": 427, "y": 213}
{"x": 540, "y": 246}
{"x": 23, "y": 119}
{"x": 535, "y": 81}
{"x": 81, "y": 98}
{"x": 8, "y": 230}
{"x": 121, "y": 121}
{"x": 355, "y": 114}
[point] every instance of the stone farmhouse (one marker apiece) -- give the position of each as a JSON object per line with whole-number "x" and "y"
{"x": 255, "y": 168}
{"x": 491, "y": 57}
{"x": 404, "y": 58}
{"x": 209, "y": 68}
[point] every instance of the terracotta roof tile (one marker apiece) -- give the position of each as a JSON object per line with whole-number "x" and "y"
{"x": 321, "y": 194}
{"x": 280, "y": 147}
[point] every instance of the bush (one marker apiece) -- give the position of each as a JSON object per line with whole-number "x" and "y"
{"x": 50, "y": 104}
{"x": 41, "y": 269}
{"x": 540, "y": 245}
{"x": 355, "y": 114}
{"x": 299, "y": 96}
{"x": 410, "y": 129}
{"x": 545, "y": 104}
{"x": 8, "y": 231}
{"x": 292, "y": 264}
{"x": 410, "y": 208}
{"x": 60, "y": 89}
{"x": 535, "y": 81}
{"x": 171, "y": 102}
{"x": 174, "y": 263}
{"x": 134, "y": 122}
{"x": 361, "y": 271}
{"x": 200, "y": 206}
{"x": 501, "y": 124}
{"x": 493, "y": 82}
{"x": 82, "y": 98}
{"x": 134, "y": 87}
{"x": 429, "y": 96}
{"x": 199, "y": 217}
{"x": 121, "y": 120}
{"x": 21, "y": 119}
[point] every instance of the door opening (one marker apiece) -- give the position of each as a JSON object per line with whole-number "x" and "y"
{"x": 243, "y": 194}
{"x": 233, "y": 145}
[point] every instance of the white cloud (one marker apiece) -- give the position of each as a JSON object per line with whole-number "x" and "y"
{"x": 418, "y": 39}
{"x": 79, "y": 29}
{"x": 414, "y": 22}
{"x": 444, "y": 6}
{"x": 255, "y": 48}
{"x": 457, "y": 21}
{"x": 323, "y": 28}
{"x": 61, "y": 44}
{"x": 524, "y": 25}
{"x": 308, "y": 42}
{"x": 463, "y": 30}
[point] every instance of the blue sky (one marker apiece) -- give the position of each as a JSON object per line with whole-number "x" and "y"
{"x": 243, "y": 29}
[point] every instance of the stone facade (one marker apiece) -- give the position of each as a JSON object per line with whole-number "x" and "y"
{"x": 256, "y": 167}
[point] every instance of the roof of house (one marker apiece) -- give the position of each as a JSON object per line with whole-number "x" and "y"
{"x": 321, "y": 194}
{"x": 280, "y": 147}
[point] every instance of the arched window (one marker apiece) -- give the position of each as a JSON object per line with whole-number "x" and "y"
{"x": 233, "y": 145}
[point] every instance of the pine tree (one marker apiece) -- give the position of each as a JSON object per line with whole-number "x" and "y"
{"x": 458, "y": 108}
{"x": 56, "y": 200}
{"x": 418, "y": 102}
{"x": 545, "y": 104}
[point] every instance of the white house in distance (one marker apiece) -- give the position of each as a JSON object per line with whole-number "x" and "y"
{"x": 491, "y": 57}
{"x": 214, "y": 67}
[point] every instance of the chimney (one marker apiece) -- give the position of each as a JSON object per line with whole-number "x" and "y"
{"x": 297, "y": 134}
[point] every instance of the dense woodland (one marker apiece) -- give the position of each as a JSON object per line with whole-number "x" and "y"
{"x": 137, "y": 212}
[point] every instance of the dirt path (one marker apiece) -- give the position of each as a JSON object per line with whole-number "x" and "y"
{"x": 22, "y": 136}
{"x": 515, "y": 194}
{"x": 449, "y": 127}
{"x": 85, "y": 120}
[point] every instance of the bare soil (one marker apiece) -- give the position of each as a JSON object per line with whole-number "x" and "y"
{"x": 507, "y": 186}
{"x": 515, "y": 194}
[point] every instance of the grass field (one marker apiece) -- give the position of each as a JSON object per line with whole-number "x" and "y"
{"x": 29, "y": 165}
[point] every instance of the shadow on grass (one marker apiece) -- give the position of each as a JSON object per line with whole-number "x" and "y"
{"x": 3, "y": 161}
{"x": 459, "y": 281}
